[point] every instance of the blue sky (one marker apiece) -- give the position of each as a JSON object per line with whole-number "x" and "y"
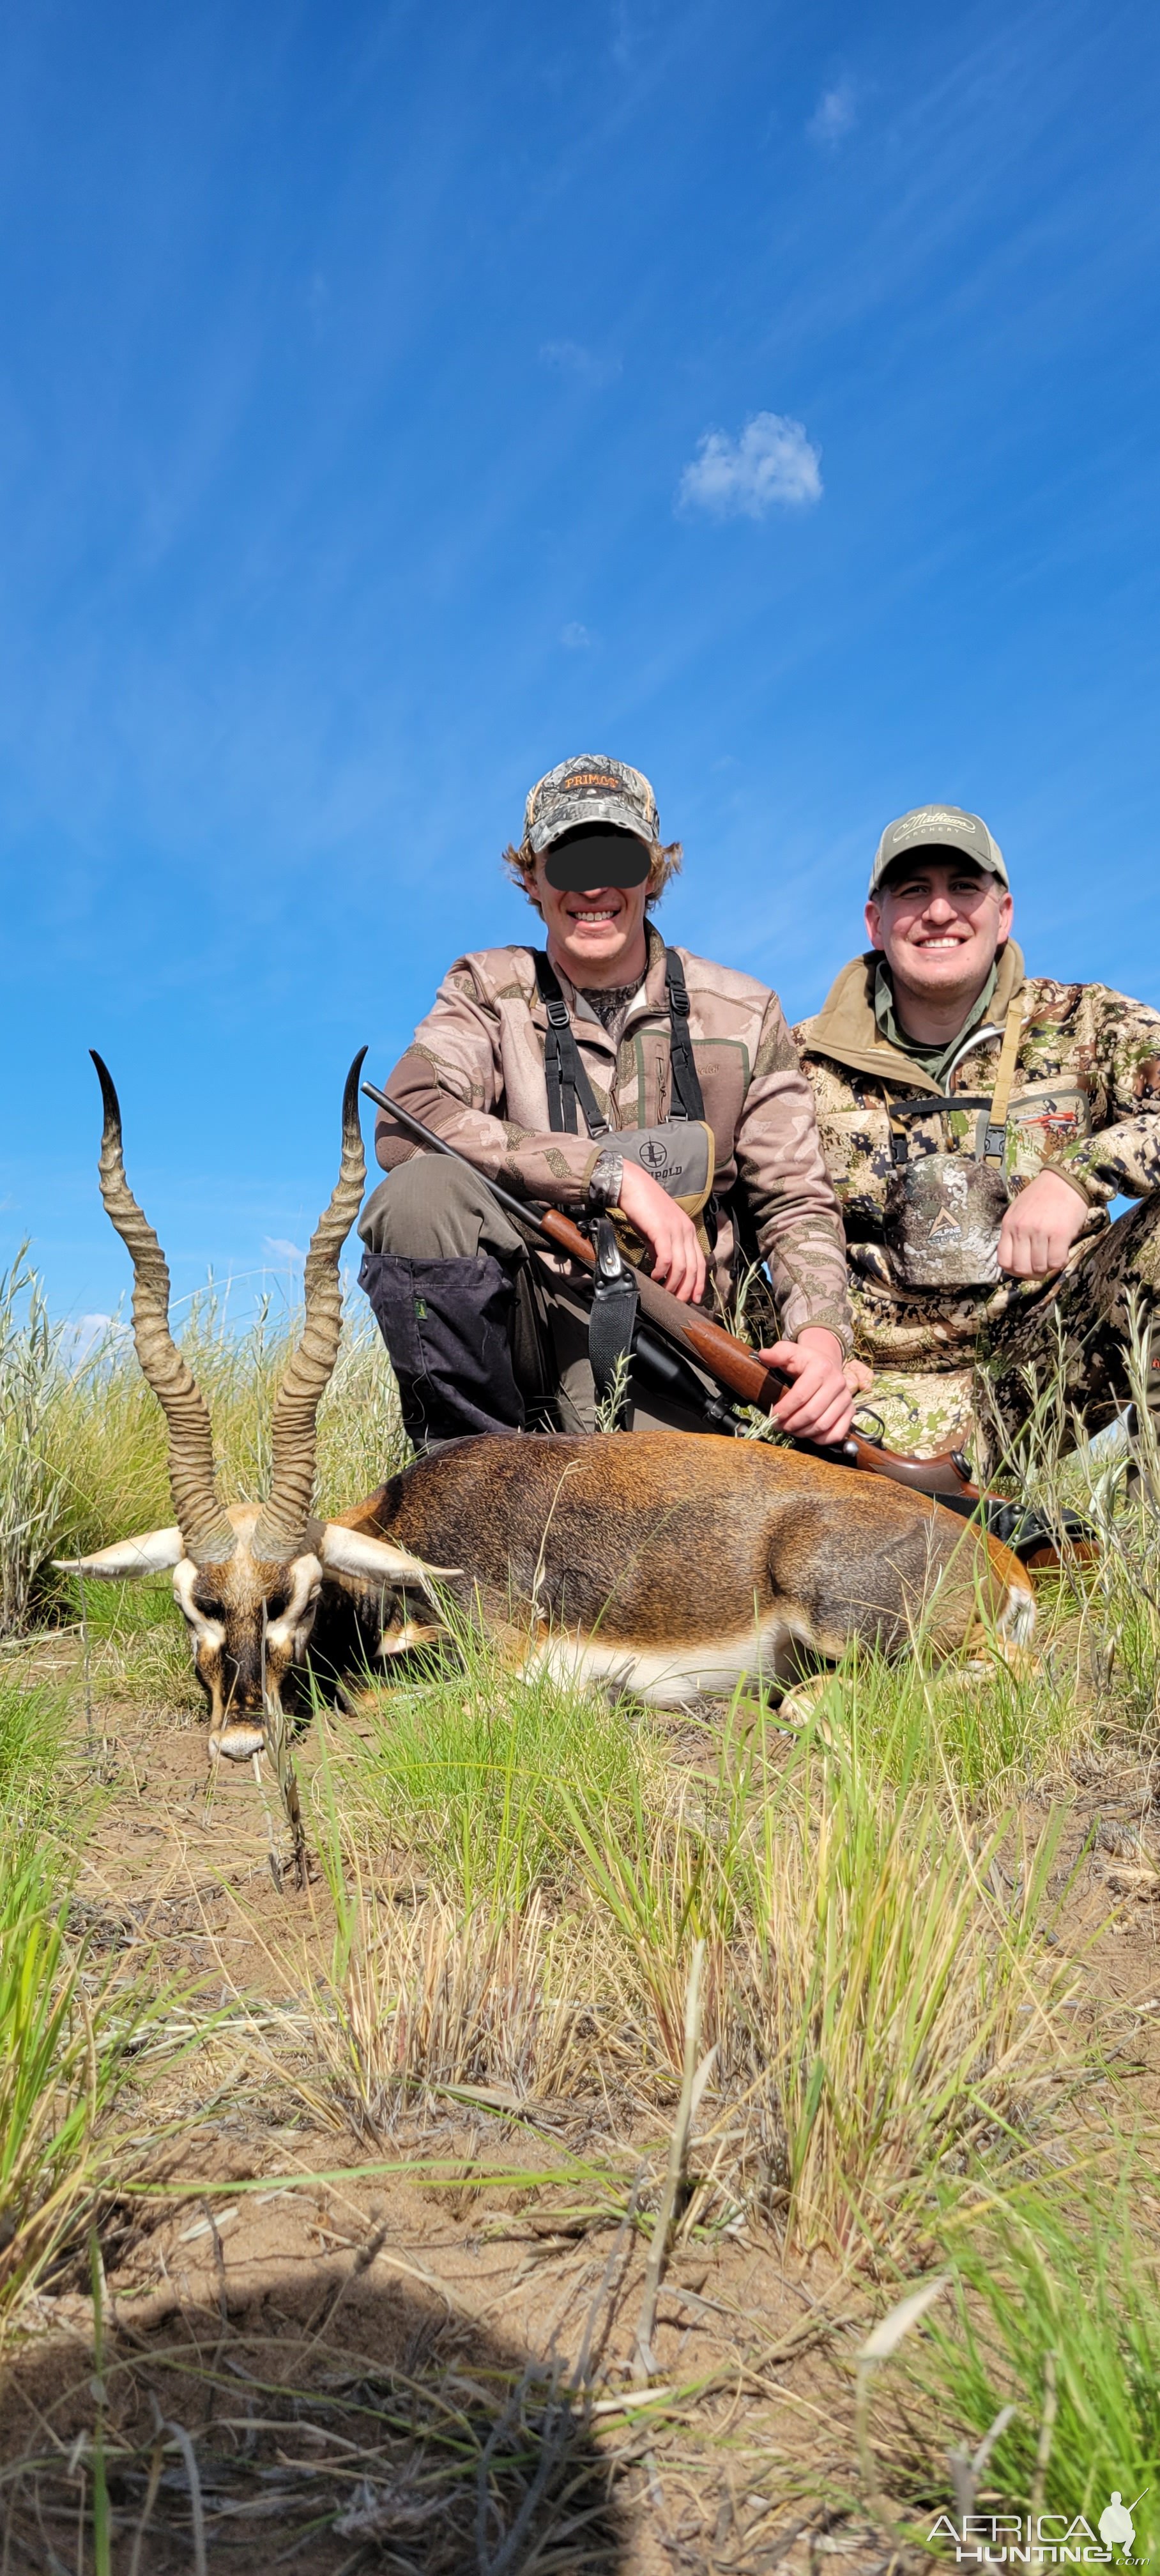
{"x": 394, "y": 400}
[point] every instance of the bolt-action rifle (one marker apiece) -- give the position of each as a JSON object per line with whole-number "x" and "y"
{"x": 946, "y": 1478}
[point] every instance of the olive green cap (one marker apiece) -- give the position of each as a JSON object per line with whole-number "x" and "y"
{"x": 934, "y": 827}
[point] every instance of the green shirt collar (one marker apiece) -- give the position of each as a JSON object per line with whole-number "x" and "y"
{"x": 934, "y": 1060}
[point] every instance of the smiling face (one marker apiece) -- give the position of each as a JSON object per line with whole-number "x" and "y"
{"x": 597, "y": 937}
{"x": 939, "y": 921}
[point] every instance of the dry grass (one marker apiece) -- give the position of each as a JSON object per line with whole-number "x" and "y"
{"x": 881, "y": 1994}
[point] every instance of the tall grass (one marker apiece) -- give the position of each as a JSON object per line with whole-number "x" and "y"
{"x": 32, "y": 1724}
{"x": 82, "y": 1440}
{"x": 1054, "y": 2315}
{"x": 880, "y": 1989}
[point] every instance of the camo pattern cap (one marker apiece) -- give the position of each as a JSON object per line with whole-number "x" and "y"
{"x": 590, "y": 789}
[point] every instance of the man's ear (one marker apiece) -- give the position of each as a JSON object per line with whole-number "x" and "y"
{"x": 874, "y": 922}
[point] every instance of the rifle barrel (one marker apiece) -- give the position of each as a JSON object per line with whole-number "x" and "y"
{"x": 439, "y": 1145}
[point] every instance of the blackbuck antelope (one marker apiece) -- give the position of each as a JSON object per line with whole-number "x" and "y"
{"x": 660, "y": 1563}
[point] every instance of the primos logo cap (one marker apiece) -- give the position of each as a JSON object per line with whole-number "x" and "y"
{"x": 585, "y": 791}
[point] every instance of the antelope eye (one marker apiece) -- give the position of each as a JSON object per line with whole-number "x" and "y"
{"x": 210, "y": 1609}
{"x": 276, "y": 1604}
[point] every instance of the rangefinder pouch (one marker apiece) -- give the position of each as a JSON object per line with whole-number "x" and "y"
{"x": 681, "y": 1157}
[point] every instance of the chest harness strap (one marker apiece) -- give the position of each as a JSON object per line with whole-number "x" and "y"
{"x": 936, "y": 1104}
{"x": 564, "y": 1071}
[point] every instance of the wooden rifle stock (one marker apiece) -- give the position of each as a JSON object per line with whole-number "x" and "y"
{"x": 734, "y": 1365}
{"x": 731, "y": 1362}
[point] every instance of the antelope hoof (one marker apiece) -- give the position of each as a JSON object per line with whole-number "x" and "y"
{"x": 800, "y": 1704}
{"x": 238, "y": 1740}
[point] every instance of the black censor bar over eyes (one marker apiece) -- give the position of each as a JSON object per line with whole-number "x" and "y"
{"x": 586, "y": 861}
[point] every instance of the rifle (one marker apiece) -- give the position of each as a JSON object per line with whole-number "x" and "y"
{"x": 945, "y": 1479}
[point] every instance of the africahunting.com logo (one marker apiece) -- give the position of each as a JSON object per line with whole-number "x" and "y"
{"x": 1043, "y": 2539}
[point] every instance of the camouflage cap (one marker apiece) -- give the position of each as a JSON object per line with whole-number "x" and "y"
{"x": 947, "y": 827}
{"x": 590, "y": 789}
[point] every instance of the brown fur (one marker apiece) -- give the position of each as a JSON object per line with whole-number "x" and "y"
{"x": 659, "y": 1541}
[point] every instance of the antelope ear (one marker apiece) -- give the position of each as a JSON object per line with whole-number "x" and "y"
{"x": 348, "y": 1551}
{"x": 152, "y": 1554}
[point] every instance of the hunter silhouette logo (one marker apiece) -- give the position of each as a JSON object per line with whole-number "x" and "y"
{"x": 1117, "y": 2529}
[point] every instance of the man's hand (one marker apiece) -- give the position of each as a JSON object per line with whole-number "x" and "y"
{"x": 678, "y": 1260}
{"x": 1040, "y": 1227}
{"x": 818, "y": 1405}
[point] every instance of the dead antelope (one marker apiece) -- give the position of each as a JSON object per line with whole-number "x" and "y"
{"x": 659, "y": 1563}
{"x": 668, "y": 1564}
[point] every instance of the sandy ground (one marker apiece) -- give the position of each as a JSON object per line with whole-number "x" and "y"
{"x": 279, "y": 2352}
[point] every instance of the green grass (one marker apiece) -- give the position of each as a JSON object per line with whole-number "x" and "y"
{"x": 1053, "y": 2310}
{"x": 986, "y": 1734}
{"x": 472, "y": 1771}
{"x": 33, "y": 1720}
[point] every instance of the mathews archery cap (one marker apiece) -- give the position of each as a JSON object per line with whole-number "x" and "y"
{"x": 938, "y": 827}
{"x": 599, "y": 798}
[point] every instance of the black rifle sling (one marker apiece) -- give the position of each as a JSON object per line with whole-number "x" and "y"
{"x": 564, "y": 1071}
{"x": 686, "y": 1100}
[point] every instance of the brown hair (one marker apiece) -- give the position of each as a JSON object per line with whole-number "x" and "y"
{"x": 664, "y": 857}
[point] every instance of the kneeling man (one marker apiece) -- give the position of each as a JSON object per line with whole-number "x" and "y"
{"x": 601, "y": 1071}
{"x": 976, "y": 1121}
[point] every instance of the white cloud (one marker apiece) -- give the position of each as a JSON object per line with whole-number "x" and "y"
{"x": 570, "y": 358}
{"x": 575, "y": 636}
{"x": 283, "y": 1251}
{"x": 79, "y": 1340}
{"x": 734, "y": 478}
{"x": 835, "y": 115}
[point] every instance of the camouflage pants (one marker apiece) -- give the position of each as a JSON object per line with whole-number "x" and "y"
{"x": 1073, "y": 1340}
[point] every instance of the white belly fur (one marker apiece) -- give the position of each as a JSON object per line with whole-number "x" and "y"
{"x": 666, "y": 1678}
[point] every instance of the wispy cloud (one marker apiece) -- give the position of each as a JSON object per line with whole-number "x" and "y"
{"x": 571, "y": 358}
{"x": 575, "y": 636}
{"x": 773, "y": 462}
{"x": 281, "y": 1249}
{"x": 835, "y": 115}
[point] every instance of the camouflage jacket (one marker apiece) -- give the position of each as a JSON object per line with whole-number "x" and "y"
{"x": 475, "y": 1073}
{"x": 1086, "y": 1100}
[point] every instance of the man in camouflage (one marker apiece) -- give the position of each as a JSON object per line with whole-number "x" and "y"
{"x": 922, "y": 1015}
{"x": 485, "y": 1336}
